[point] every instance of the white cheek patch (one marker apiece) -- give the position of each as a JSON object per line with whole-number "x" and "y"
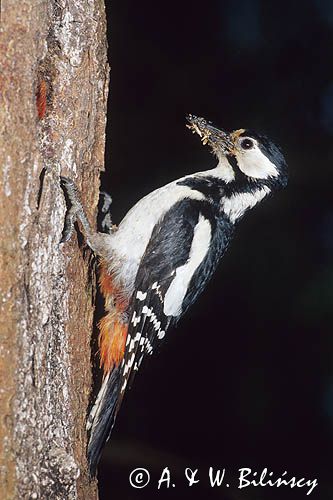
{"x": 254, "y": 163}
{"x": 177, "y": 290}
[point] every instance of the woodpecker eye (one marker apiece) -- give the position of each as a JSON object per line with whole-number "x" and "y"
{"x": 247, "y": 144}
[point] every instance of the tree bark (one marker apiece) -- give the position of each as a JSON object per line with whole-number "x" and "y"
{"x": 53, "y": 93}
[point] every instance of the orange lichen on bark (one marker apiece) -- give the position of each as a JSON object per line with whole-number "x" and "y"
{"x": 41, "y": 99}
{"x": 112, "y": 341}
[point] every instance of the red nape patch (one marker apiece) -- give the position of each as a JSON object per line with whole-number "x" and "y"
{"x": 112, "y": 341}
{"x": 41, "y": 99}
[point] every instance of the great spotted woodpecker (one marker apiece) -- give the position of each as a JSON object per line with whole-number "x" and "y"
{"x": 157, "y": 262}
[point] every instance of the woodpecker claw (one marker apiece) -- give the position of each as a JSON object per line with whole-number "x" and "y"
{"x": 74, "y": 210}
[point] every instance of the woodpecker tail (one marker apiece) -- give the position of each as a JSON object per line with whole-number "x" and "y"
{"x": 102, "y": 417}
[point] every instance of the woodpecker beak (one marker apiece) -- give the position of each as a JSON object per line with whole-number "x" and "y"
{"x": 219, "y": 140}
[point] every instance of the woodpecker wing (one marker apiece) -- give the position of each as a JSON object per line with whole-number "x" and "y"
{"x": 178, "y": 245}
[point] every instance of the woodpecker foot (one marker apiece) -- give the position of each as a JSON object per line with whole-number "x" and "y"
{"x": 74, "y": 212}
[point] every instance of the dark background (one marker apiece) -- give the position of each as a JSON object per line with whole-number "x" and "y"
{"x": 246, "y": 379}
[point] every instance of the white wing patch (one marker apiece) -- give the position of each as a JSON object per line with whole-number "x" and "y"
{"x": 140, "y": 295}
{"x": 146, "y": 313}
{"x": 177, "y": 290}
{"x": 156, "y": 324}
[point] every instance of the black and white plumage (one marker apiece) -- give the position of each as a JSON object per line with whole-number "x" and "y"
{"x": 166, "y": 249}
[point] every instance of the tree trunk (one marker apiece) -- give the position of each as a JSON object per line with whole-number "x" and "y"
{"x": 53, "y": 92}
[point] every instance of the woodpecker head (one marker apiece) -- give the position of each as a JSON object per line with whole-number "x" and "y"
{"x": 247, "y": 157}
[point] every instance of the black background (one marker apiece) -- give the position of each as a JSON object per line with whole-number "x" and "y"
{"x": 246, "y": 378}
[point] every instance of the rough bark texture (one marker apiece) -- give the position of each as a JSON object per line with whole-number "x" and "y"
{"x": 53, "y": 91}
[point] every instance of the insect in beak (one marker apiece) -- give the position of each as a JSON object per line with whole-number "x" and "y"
{"x": 218, "y": 139}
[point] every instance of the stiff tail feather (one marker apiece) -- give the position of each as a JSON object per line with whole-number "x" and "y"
{"x": 102, "y": 417}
